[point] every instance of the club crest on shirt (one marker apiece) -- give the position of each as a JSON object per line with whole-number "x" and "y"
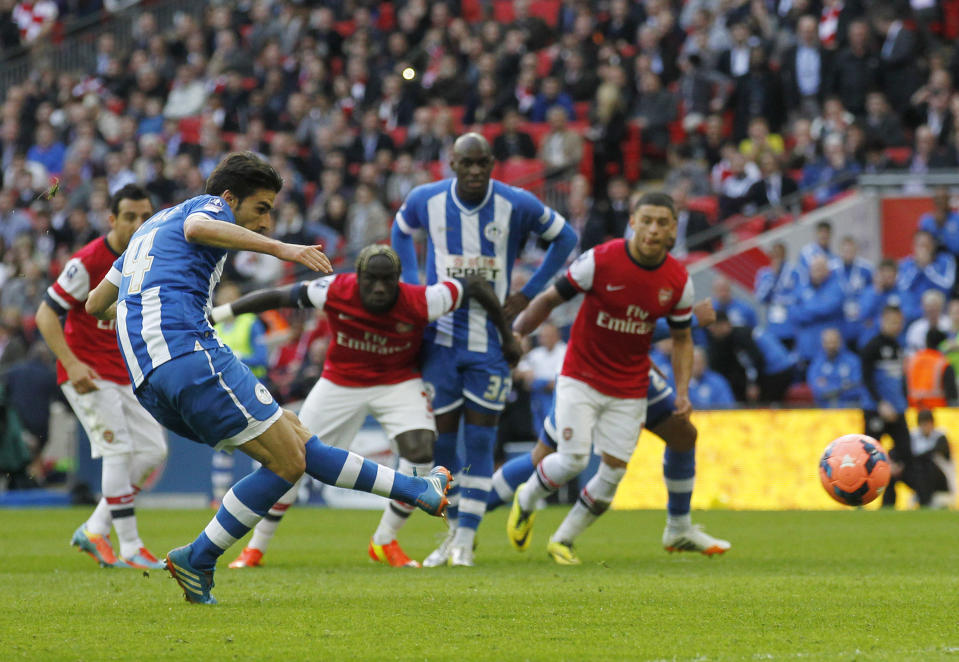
{"x": 214, "y": 205}
{"x": 567, "y": 433}
{"x": 262, "y": 394}
{"x": 108, "y": 436}
{"x": 492, "y": 232}
{"x": 403, "y": 327}
{"x": 665, "y": 295}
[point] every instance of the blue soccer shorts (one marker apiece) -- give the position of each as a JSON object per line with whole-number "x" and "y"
{"x": 211, "y": 397}
{"x": 453, "y": 376}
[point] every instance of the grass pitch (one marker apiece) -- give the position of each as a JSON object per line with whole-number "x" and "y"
{"x": 849, "y": 585}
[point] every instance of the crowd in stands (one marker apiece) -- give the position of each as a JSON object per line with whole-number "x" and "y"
{"x": 743, "y": 108}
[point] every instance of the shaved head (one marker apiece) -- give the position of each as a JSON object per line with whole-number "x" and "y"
{"x": 472, "y": 143}
{"x": 472, "y": 161}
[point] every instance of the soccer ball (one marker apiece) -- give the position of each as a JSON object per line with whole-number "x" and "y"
{"x": 854, "y": 469}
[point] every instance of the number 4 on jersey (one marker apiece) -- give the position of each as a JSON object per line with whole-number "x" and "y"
{"x": 137, "y": 261}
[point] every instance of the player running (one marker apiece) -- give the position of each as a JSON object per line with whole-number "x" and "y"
{"x": 474, "y": 225}
{"x": 94, "y": 380}
{"x": 678, "y": 432}
{"x": 160, "y": 291}
{"x": 372, "y": 368}
{"x": 601, "y": 394}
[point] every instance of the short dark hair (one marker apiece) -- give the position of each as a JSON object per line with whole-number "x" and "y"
{"x": 888, "y": 263}
{"x": 128, "y": 192}
{"x": 891, "y": 308}
{"x": 824, "y": 225}
{"x": 657, "y": 199}
{"x": 243, "y": 173}
{"x": 924, "y": 416}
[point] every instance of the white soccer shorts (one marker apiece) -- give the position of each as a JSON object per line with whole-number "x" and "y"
{"x": 335, "y": 413}
{"x": 115, "y": 422}
{"x": 585, "y": 417}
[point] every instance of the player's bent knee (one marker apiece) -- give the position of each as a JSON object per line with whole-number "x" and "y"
{"x": 679, "y": 434}
{"x": 416, "y": 445}
{"x": 573, "y": 463}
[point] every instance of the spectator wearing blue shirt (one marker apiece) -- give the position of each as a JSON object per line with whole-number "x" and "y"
{"x": 819, "y": 247}
{"x": 818, "y": 306}
{"x": 835, "y": 374}
{"x": 925, "y": 269}
{"x": 884, "y": 292}
{"x": 779, "y": 366}
{"x": 942, "y": 223}
{"x": 708, "y": 389}
{"x": 884, "y": 397}
{"x": 855, "y": 275}
{"x": 551, "y": 95}
{"x": 832, "y": 174}
{"x": 48, "y": 151}
{"x": 739, "y": 312}
{"x": 776, "y": 289}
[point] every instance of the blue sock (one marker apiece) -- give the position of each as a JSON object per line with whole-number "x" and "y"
{"x": 242, "y": 507}
{"x": 510, "y": 476}
{"x": 679, "y": 472}
{"x": 444, "y": 455}
{"x": 477, "y": 474}
{"x": 335, "y": 466}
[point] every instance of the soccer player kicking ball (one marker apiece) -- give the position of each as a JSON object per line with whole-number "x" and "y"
{"x": 160, "y": 293}
{"x": 94, "y": 380}
{"x": 679, "y": 456}
{"x": 600, "y": 396}
{"x": 372, "y": 368}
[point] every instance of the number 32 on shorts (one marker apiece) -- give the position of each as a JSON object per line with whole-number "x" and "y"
{"x": 498, "y": 389}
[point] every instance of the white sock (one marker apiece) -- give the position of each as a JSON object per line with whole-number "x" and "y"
{"x": 552, "y": 473}
{"x": 594, "y": 500}
{"x": 679, "y": 522}
{"x": 265, "y": 529}
{"x": 396, "y": 513}
{"x": 100, "y": 521}
{"x": 464, "y": 537}
{"x": 119, "y": 495}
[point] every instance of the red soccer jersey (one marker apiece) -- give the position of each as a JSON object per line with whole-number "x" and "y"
{"x": 609, "y": 342}
{"x": 93, "y": 341}
{"x": 369, "y": 349}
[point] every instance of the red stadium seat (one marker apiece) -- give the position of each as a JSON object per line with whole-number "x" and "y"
{"x": 707, "y": 204}
{"x": 457, "y": 112}
{"x": 548, "y": 10}
{"x": 899, "y": 155}
{"x": 190, "y": 129}
{"x": 471, "y": 10}
{"x": 398, "y": 135}
{"x": 503, "y": 11}
{"x": 536, "y": 130}
{"x": 633, "y": 153}
{"x": 799, "y": 394}
{"x": 581, "y": 108}
{"x": 524, "y": 173}
{"x": 491, "y": 130}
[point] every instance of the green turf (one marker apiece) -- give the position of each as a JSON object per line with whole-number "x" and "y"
{"x": 796, "y": 585}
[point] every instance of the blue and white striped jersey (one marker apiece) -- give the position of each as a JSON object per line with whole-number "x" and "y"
{"x": 166, "y": 288}
{"x": 483, "y": 240}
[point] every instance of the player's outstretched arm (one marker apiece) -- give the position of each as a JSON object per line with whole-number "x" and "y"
{"x": 537, "y": 311}
{"x": 102, "y": 302}
{"x": 682, "y": 361}
{"x": 480, "y": 291}
{"x": 258, "y": 302}
{"x": 80, "y": 374}
{"x": 200, "y": 229}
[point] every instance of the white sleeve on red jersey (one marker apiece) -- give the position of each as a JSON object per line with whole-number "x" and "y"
{"x": 682, "y": 313}
{"x": 580, "y": 273}
{"x": 316, "y": 291}
{"x": 72, "y": 286}
{"x": 443, "y": 298}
